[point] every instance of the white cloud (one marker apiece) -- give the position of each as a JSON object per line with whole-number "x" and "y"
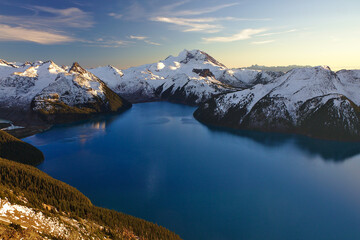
{"x": 45, "y": 26}
{"x": 136, "y": 10}
{"x": 107, "y": 43}
{"x": 262, "y": 42}
{"x": 8, "y": 33}
{"x": 170, "y": 7}
{"x": 168, "y": 14}
{"x": 202, "y": 11}
{"x": 138, "y": 37}
{"x": 145, "y": 39}
{"x": 113, "y": 44}
{"x": 152, "y": 43}
{"x": 192, "y": 24}
{"x": 277, "y": 33}
{"x": 243, "y": 35}
{"x": 115, "y": 15}
{"x": 242, "y": 19}
{"x": 53, "y": 17}
{"x": 207, "y": 25}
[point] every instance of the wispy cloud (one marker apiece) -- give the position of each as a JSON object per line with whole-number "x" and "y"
{"x": 138, "y": 37}
{"x": 107, "y": 43}
{"x": 152, "y": 43}
{"x": 53, "y": 18}
{"x": 186, "y": 22}
{"x": 242, "y": 19}
{"x": 45, "y": 26}
{"x": 278, "y": 33}
{"x": 8, "y": 33}
{"x": 182, "y": 15}
{"x": 262, "y": 42}
{"x": 72, "y": 17}
{"x": 243, "y": 35}
{"x": 192, "y": 24}
{"x": 145, "y": 39}
{"x": 207, "y": 25}
{"x": 115, "y": 15}
{"x": 170, "y": 7}
{"x": 194, "y": 12}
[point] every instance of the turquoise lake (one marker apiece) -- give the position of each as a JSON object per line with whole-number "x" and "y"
{"x": 158, "y": 163}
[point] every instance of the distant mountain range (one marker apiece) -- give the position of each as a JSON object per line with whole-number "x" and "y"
{"x": 276, "y": 68}
{"x": 191, "y": 77}
{"x": 314, "y": 101}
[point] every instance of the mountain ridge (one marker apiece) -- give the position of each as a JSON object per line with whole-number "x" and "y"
{"x": 193, "y": 78}
{"x": 291, "y": 104}
{"x": 43, "y": 93}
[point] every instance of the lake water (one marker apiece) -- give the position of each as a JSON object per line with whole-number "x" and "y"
{"x": 158, "y": 163}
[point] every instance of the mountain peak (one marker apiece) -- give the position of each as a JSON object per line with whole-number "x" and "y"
{"x": 116, "y": 70}
{"x": 311, "y": 70}
{"x": 186, "y": 56}
{"x": 323, "y": 67}
{"x": 76, "y": 68}
{"x": 3, "y": 62}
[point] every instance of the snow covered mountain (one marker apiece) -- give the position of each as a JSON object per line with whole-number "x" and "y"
{"x": 191, "y": 77}
{"x": 312, "y": 101}
{"x": 245, "y": 78}
{"x": 77, "y": 92}
{"x": 19, "y": 84}
{"x": 45, "y": 88}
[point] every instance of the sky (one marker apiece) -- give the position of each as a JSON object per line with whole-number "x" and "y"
{"x": 127, "y": 33}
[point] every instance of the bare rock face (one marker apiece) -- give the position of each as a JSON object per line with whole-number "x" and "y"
{"x": 203, "y": 72}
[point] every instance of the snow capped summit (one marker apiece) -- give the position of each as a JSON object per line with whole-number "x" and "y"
{"x": 18, "y": 85}
{"x": 290, "y": 103}
{"x": 77, "y": 92}
{"x": 191, "y": 77}
{"x": 110, "y": 74}
{"x": 46, "y": 88}
{"x": 179, "y": 79}
{"x": 5, "y": 63}
{"x": 195, "y": 56}
{"x": 305, "y": 83}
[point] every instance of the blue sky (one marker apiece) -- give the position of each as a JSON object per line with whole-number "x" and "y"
{"x": 134, "y": 32}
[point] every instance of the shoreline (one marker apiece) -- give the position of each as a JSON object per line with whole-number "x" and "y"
{"x": 28, "y": 131}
